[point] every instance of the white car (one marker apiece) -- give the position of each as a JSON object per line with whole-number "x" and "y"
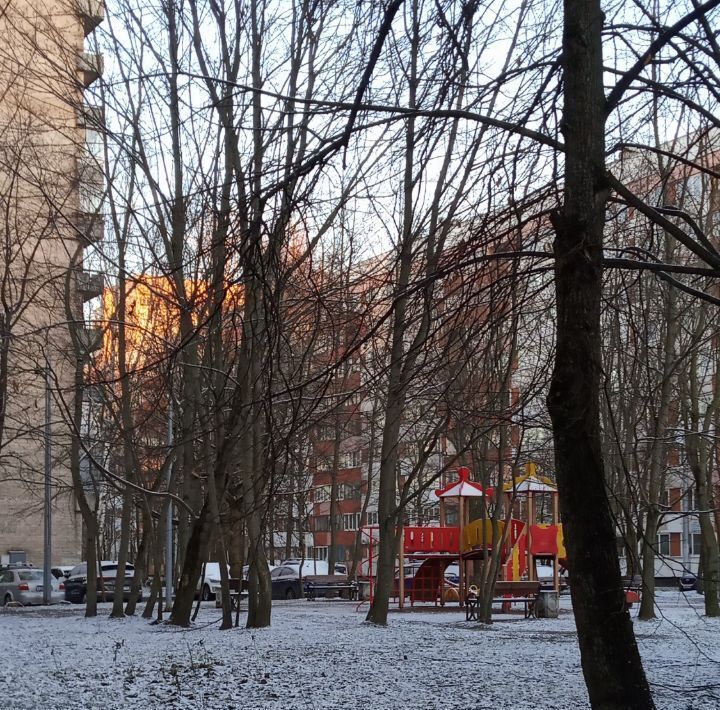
{"x": 545, "y": 576}
{"x": 209, "y": 583}
{"x": 24, "y": 585}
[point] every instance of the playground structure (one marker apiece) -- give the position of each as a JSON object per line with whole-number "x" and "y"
{"x": 429, "y": 551}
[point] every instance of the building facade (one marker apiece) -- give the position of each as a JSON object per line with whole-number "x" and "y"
{"x": 51, "y": 186}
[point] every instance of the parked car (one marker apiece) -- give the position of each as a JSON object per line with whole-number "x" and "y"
{"x": 25, "y": 585}
{"x": 76, "y": 582}
{"x": 687, "y": 582}
{"x": 209, "y": 581}
{"x": 452, "y": 574}
{"x": 61, "y": 571}
{"x": 546, "y": 578}
{"x": 340, "y": 567}
{"x": 246, "y": 570}
{"x": 285, "y": 579}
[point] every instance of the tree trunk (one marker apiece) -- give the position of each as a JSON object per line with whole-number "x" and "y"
{"x": 649, "y": 551}
{"x": 709, "y": 546}
{"x": 194, "y": 555}
{"x": 610, "y": 659}
{"x": 140, "y": 566}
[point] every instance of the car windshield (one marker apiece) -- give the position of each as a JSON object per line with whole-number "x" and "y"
{"x": 31, "y": 575}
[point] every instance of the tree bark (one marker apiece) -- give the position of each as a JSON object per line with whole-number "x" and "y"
{"x": 610, "y": 659}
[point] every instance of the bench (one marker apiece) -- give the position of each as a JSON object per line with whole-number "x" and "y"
{"x": 327, "y": 589}
{"x": 523, "y": 592}
{"x": 238, "y": 592}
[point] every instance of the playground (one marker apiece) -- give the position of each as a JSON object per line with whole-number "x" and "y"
{"x": 321, "y": 655}
{"x": 525, "y": 529}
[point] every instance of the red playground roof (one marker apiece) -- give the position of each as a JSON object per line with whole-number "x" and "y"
{"x": 464, "y": 488}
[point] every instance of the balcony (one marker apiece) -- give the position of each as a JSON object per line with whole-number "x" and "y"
{"x": 91, "y": 118}
{"x": 90, "y": 339}
{"x": 91, "y": 226}
{"x": 91, "y": 178}
{"x": 91, "y": 14}
{"x": 90, "y": 65}
{"x": 90, "y": 285}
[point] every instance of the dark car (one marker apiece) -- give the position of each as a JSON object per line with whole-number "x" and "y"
{"x": 687, "y": 582}
{"x": 285, "y": 579}
{"x": 76, "y": 583}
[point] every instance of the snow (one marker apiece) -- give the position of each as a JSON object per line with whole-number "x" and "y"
{"x": 319, "y": 655}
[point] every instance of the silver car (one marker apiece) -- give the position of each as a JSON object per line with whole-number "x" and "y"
{"x": 25, "y": 585}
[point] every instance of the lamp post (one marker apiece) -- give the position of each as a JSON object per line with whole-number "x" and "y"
{"x": 168, "y": 518}
{"x": 47, "y": 531}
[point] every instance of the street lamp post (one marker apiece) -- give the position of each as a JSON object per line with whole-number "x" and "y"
{"x": 168, "y": 518}
{"x": 47, "y": 531}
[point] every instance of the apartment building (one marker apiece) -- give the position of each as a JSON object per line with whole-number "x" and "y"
{"x": 51, "y": 186}
{"x": 344, "y": 463}
{"x": 450, "y": 405}
{"x": 679, "y": 331}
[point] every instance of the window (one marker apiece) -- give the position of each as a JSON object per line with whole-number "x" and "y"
{"x": 322, "y": 494}
{"x": 319, "y": 553}
{"x": 283, "y": 573}
{"x": 693, "y": 186}
{"x": 354, "y": 427}
{"x": 322, "y": 523}
{"x": 669, "y": 544}
{"x": 673, "y": 499}
{"x": 431, "y": 513}
{"x": 350, "y": 459}
{"x": 351, "y": 521}
{"x": 349, "y": 491}
{"x": 372, "y": 517}
{"x": 353, "y": 360}
{"x": 695, "y": 543}
{"x": 326, "y": 433}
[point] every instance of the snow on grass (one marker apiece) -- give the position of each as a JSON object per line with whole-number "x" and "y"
{"x": 320, "y": 655}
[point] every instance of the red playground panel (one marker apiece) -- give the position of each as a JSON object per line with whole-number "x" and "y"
{"x": 427, "y": 584}
{"x": 420, "y": 539}
{"x": 543, "y": 540}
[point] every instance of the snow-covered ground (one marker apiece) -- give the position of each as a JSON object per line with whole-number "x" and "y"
{"x": 319, "y": 655}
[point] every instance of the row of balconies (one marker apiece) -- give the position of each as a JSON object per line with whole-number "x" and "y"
{"x": 90, "y": 226}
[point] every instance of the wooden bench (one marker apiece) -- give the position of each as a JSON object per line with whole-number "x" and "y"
{"x": 238, "y": 592}
{"x": 322, "y": 587}
{"x": 523, "y": 592}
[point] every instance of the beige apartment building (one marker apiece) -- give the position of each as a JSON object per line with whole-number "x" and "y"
{"x": 50, "y": 193}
